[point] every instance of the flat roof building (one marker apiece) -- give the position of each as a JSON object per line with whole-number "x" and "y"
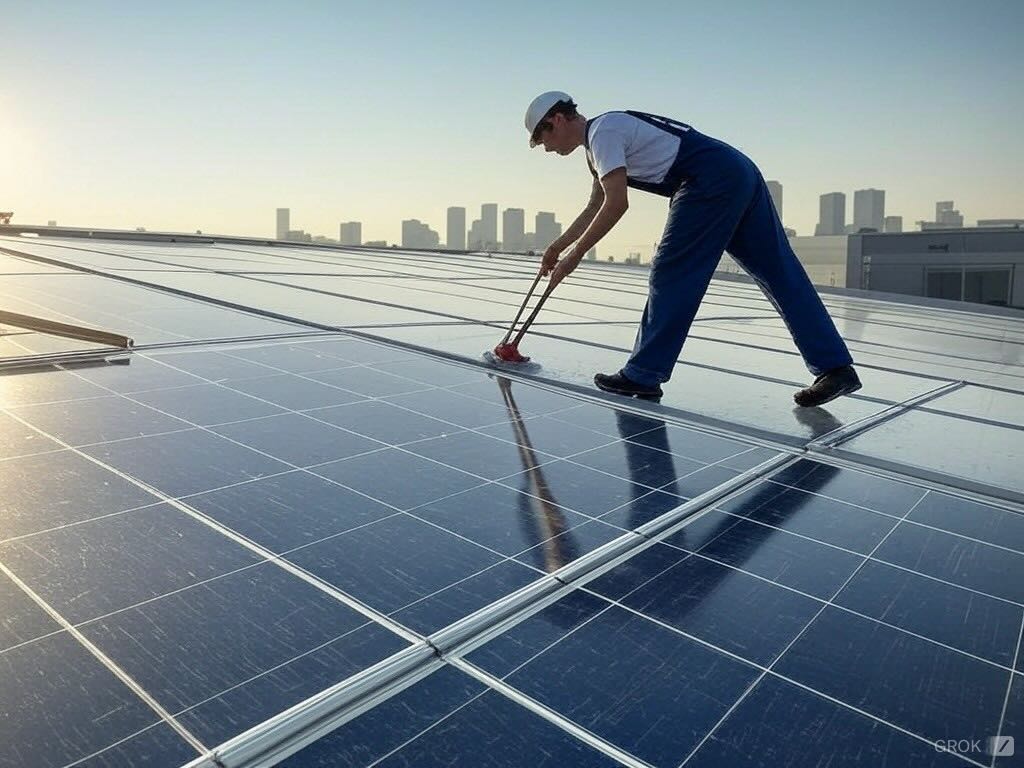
{"x": 977, "y": 265}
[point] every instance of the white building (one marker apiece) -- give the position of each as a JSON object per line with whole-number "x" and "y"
{"x": 977, "y": 265}
{"x": 416, "y": 234}
{"x": 513, "y": 229}
{"x": 455, "y": 234}
{"x": 947, "y": 215}
{"x": 489, "y": 225}
{"x": 831, "y": 214}
{"x": 868, "y": 209}
{"x": 483, "y": 233}
{"x": 775, "y": 190}
{"x": 350, "y": 233}
{"x": 547, "y": 229}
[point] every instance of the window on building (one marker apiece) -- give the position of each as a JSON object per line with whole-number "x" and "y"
{"x": 983, "y": 285}
{"x": 987, "y": 286}
{"x": 945, "y": 284}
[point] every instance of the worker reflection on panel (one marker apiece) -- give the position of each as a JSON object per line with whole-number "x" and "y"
{"x": 640, "y": 461}
{"x": 541, "y": 517}
{"x": 781, "y": 503}
{"x": 819, "y": 421}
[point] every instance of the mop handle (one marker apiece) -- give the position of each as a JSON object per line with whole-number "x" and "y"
{"x": 521, "y": 308}
{"x": 529, "y": 320}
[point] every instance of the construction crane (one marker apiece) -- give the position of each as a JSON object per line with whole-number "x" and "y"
{"x": 5, "y": 217}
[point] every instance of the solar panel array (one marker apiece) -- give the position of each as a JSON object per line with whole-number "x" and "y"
{"x": 302, "y": 524}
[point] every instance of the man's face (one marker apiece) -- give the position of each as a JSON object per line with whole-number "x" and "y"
{"x": 555, "y": 135}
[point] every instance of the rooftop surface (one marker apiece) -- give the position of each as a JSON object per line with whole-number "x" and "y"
{"x": 302, "y": 523}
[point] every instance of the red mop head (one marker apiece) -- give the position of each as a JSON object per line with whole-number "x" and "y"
{"x": 509, "y": 353}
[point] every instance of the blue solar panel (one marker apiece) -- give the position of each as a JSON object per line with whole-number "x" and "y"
{"x": 289, "y": 510}
{"x": 649, "y": 690}
{"x": 976, "y": 623}
{"x": 104, "y": 565}
{"x": 31, "y": 506}
{"x": 944, "y": 556}
{"x": 354, "y": 553}
{"x": 22, "y": 620}
{"x": 878, "y": 669}
{"x": 222, "y": 668}
{"x": 183, "y": 463}
{"x": 804, "y": 513}
{"x": 56, "y": 695}
{"x": 781, "y": 723}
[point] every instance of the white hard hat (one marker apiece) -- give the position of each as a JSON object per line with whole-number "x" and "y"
{"x": 539, "y": 108}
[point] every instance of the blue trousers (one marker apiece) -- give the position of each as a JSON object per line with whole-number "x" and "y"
{"x": 725, "y": 206}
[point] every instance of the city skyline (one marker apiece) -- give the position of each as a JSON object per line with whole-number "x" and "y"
{"x": 868, "y": 214}
{"x": 279, "y": 110}
{"x": 483, "y": 235}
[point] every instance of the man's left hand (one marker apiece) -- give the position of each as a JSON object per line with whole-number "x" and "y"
{"x": 564, "y": 267}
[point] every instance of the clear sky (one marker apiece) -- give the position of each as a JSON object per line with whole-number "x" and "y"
{"x": 209, "y": 115}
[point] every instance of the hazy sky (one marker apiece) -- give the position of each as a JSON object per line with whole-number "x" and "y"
{"x": 200, "y": 115}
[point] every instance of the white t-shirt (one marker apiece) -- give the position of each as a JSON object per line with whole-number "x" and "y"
{"x": 618, "y": 140}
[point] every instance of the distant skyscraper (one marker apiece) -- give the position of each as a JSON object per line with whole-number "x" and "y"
{"x": 775, "y": 189}
{"x": 489, "y": 225}
{"x": 548, "y": 230}
{"x": 475, "y": 238}
{"x": 513, "y": 228}
{"x": 893, "y": 223}
{"x": 832, "y": 214}
{"x": 455, "y": 236}
{"x": 283, "y": 216}
{"x": 350, "y": 233}
{"x": 868, "y": 209}
{"x": 946, "y": 215}
{"x": 416, "y": 234}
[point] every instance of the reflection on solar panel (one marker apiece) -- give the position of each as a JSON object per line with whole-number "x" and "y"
{"x": 303, "y": 525}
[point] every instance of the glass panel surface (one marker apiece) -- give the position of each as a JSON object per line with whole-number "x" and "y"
{"x": 953, "y": 446}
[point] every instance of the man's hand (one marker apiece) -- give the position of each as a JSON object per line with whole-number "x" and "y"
{"x": 565, "y": 266}
{"x": 550, "y": 259}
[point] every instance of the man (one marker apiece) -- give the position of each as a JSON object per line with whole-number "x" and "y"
{"x": 718, "y": 202}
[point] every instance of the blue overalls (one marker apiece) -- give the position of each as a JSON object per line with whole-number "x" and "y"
{"x": 720, "y": 202}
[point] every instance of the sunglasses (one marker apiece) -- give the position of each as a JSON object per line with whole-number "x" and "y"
{"x": 542, "y": 126}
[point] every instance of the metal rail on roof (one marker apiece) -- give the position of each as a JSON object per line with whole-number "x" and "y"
{"x": 53, "y": 328}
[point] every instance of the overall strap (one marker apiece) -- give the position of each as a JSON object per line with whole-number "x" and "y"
{"x": 676, "y": 174}
{"x": 674, "y": 127}
{"x": 586, "y": 143}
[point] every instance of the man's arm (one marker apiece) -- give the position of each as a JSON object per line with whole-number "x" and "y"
{"x": 615, "y": 203}
{"x": 613, "y": 206}
{"x": 577, "y": 228}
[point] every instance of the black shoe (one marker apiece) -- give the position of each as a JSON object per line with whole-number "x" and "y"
{"x": 829, "y": 386}
{"x": 621, "y": 385}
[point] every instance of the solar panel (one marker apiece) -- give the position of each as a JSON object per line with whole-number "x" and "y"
{"x": 303, "y": 525}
